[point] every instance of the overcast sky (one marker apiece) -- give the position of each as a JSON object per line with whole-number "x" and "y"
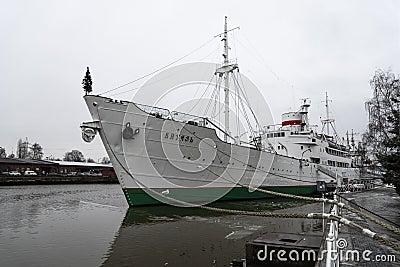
{"x": 289, "y": 49}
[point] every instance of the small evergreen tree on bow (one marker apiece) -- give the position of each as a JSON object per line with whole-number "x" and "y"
{"x": 87, "y": 82}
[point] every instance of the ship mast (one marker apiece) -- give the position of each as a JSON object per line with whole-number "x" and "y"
{"x": 226, "y": 79}
{"x": 329, "y": 121}
{"x": 224, "y": 71}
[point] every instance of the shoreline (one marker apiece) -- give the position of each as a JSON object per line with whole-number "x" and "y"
{"x": 46, "y": 180}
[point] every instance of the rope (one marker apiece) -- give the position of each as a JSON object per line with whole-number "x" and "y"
{"x": 159, "y": 69}
{"x": 375, "y": 214}
{"x": 325, "y": 200}
{"x": 378, "y": 237}
{"x": 366, "y": 216}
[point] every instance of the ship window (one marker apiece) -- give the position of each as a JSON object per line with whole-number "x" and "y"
{"x": 283, "y": 134}
{"x": 301, "y": 147}
{"x": 315, "y": 160}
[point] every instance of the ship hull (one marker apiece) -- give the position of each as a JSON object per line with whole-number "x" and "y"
{"x": 139, "y": 197}
{"x": 155, "y": 165}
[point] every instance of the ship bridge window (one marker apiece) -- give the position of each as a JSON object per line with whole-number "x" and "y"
{"x": 277, "y": 134}
{"x": 342, "y": 164}
{"x": 335, "y": 152}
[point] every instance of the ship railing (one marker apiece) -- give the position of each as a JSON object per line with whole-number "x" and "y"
{"x": 155, "y": 111}
{"x": 188, "y": 118}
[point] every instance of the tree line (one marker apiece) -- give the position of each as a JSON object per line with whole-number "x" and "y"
{"x": 26, "y": 150}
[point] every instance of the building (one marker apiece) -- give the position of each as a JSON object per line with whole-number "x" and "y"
{"x": 48, "y": 167}
{"x": 84, "y": 168}
{"x": 22, "y": 165}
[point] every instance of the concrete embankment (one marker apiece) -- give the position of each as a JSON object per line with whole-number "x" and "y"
{"x": 40, "y": 180}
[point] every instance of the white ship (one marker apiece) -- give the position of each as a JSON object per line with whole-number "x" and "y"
{"x": 163, "y": 156}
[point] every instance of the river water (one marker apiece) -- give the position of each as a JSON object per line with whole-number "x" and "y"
{"x": 91, "y": 225}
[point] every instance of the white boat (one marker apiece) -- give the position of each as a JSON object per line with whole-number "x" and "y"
{"x": 163, "y": 156}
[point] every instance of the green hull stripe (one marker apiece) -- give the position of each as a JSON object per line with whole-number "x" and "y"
{"x": 138, "y": 197}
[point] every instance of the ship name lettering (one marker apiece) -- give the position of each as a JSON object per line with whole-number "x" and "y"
{"x": 182, "y": 137}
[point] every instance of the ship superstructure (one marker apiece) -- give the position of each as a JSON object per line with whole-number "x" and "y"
{"x": 295, "y": 137}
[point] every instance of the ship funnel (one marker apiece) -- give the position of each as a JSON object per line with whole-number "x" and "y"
{"x": 291, "y": 118}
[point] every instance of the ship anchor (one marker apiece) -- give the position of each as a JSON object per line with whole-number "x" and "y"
{"x": 128, "y": 132}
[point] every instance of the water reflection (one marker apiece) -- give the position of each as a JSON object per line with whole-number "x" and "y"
{"x": 165, "y": 235}
{"x": 52, "y": 226}
{"x": 90, "y": 225}
{"x": 151, "y": 214}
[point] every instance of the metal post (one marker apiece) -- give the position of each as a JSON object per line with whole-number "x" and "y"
{"x": 323, "y": 212}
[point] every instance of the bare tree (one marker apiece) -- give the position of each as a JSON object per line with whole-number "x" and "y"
{"x": 23, "y": 149}
{"x": 382, "y": 137}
